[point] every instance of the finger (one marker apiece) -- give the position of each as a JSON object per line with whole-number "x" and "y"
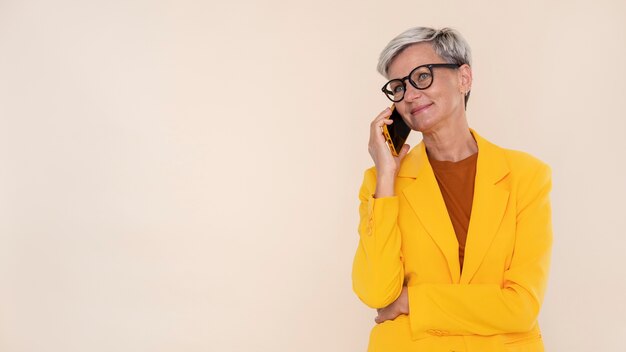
{"x": 382, "y": 123}
{"x": 380, "y": 318}
{"x": 379, "y": 124}
{"x": 384, "y": 113}
{"x": 382, "y": 116}
{"x": 376, "y": 134}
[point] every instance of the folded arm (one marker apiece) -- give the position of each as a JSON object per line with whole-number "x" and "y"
{"x": 488, "y": 309}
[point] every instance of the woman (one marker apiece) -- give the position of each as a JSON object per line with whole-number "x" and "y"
{"x": 455, "y": 235}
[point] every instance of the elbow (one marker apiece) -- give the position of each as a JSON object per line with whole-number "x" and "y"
{"x": 524, "y": 321}
{"x": 528, "y": 318}
{"x": 375, "y": 298}
{"x": 524, "y": 313}
{"x": 376, "y": 293}
{"x": 378, "y": 281}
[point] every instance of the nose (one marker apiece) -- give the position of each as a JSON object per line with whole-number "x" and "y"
{"x": 411, "y": 93}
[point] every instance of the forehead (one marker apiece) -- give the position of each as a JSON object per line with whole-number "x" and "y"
{"x": 411, "y": 57}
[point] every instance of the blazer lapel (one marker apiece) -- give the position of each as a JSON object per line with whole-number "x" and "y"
{"x": 425, "y": 199}
{"x": 488, "y": 207}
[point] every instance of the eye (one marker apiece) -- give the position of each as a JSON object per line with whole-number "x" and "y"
{"x": 397, "y": 89}
{"x": 423, "y": 76}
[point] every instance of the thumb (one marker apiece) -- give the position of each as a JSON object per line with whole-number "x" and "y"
{"x": 404, "y": 151}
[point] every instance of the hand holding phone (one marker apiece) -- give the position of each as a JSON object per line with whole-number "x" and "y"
{"x": 388, "y": 132}
{"x": 396, "y": 133}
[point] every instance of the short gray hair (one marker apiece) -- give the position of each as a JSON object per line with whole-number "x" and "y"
{"x": 447, "y": 43}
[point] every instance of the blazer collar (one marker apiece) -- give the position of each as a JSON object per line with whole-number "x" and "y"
{"x": 416, "y": 160}
{"x": 489, "y": 204}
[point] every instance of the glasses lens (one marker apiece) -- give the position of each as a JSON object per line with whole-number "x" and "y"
{"x": 395, "y": 90}
{"x": 422, "y": 77}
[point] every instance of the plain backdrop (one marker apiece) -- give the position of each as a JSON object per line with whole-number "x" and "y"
{"x": 183, "y": 175}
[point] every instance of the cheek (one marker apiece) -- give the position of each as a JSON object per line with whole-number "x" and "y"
{"x": 444, "y": 97}
{"x": 404, "y": 112}
{"x": 406, "y": 116}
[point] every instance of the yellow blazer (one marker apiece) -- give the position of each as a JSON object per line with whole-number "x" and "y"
{"x": 409, "y": 240}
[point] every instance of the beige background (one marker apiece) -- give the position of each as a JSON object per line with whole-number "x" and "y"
{"x": 183, "y": 175}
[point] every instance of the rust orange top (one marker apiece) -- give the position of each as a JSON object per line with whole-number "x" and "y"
{"x": 456, "y": 182}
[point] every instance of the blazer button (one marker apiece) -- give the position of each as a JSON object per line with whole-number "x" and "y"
{"x": 440, "y": 332}
{"x": 434, "y": 332}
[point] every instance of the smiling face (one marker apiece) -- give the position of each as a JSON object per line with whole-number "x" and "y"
{"x": 439, "y": 106}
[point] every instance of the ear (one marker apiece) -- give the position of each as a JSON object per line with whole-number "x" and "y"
{"x": 465, "y": 78}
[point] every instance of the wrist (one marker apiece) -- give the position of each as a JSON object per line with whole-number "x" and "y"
{"x": 404, "y": 307}
{"x": 384, "y": 187}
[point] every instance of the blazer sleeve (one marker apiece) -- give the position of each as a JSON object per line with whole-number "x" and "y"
{"x": 378, "y": 270}
{"x": 488, "y": 309}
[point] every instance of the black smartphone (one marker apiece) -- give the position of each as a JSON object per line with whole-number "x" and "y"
{"x": 396, "y": 133}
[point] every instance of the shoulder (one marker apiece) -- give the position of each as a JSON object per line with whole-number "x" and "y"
{"x": 522, "y": 167}
{"x": 522, "y": 162}
{"x": 527, "y": 173}
{"x": 516, "y": 161}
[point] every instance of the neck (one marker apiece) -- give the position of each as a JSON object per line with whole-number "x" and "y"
{"x": 450, "y": 144}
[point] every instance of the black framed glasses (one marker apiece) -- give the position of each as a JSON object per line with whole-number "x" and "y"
{"x": 420, "y": 77}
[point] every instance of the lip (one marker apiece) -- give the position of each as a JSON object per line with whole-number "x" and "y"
{"x": 420, "y": 108}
